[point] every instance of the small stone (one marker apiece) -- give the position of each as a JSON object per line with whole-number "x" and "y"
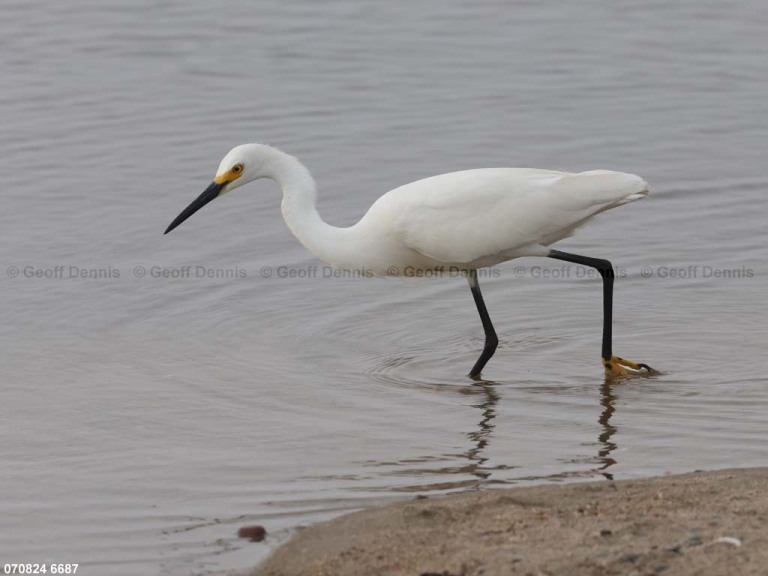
{"x": 660, "y": 569}
{"x": 253, "y": 533}
{"x": 605, "y": 532}
{"x": 729, "y": 540}
{"x": 694, "y": 541}
{"x": 628, "y": 558}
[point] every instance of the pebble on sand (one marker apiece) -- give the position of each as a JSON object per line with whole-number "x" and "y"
{"x": 253, "y": 533}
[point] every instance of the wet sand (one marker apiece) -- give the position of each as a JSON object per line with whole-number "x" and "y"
{"x": 713, "y": 523}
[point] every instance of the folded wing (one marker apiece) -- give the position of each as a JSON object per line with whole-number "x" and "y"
{"x": 500, "y": 211}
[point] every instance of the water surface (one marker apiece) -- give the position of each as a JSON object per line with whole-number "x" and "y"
{"x": 145, "y": 418}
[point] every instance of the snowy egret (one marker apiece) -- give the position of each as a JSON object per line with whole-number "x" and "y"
{"x": 461, "y": 221}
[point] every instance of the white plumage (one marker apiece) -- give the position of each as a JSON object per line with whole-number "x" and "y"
{"x": 461, "y": 220}
{"x": 479, "y": 218}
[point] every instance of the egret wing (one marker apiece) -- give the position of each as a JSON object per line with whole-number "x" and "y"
{"x": 477, "y": 216}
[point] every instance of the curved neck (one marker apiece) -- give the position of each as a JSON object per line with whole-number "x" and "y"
{"x": 299, "y": 208}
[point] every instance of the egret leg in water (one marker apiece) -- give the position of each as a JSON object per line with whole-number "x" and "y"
{"x": 462, "y": 221}
{"x": 491, "y": 340}
{"x": 614, "y": 365}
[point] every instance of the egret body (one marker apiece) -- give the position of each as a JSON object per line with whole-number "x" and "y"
{"x": 460, "y": 221}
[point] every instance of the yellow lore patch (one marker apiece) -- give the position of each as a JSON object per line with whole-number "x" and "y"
{"x": 230, "y": 175}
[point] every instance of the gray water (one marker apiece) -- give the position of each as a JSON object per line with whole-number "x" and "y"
{"x": 144, "y": 418}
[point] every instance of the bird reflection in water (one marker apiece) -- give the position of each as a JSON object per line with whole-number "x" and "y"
{"x": 480, "y": 437}
{"x": 476, "y": 456}
{"x": 475, "y": 472}
{"x": 607, "y": 401}
{"x": 467, "y": 469}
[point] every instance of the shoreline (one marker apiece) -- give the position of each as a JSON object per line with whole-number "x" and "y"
{"x": 713, "y": 523}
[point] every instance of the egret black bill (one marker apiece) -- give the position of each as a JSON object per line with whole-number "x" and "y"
{"x": 209, "y": 194}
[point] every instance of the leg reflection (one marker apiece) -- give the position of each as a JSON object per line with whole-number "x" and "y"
{"x": 480, "y": 437}
{"x": 607, "y": 401}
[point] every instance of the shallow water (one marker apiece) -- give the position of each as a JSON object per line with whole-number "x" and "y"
{"x": 145, "y": 418}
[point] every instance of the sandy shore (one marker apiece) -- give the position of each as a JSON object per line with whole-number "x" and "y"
{"x": 703, "y": 523}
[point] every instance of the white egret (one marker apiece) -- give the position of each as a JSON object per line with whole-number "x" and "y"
{"x": 460, "y": 221}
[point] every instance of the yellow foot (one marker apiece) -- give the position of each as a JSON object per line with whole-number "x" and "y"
{"x": 620, "y": 367}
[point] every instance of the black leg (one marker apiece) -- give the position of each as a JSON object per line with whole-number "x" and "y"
{"x": 606, "y": 272}
{"x": 491, "y": 340}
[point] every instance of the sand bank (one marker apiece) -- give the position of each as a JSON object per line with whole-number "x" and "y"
{"x": 703, "y": 523}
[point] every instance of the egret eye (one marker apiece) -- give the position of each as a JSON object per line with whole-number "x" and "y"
{"x": 237, "y": 168}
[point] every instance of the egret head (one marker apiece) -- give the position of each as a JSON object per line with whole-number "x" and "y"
{"x": 241, "y": 165}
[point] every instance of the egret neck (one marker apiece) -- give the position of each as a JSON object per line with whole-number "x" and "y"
{"x": 299, "y": 207}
